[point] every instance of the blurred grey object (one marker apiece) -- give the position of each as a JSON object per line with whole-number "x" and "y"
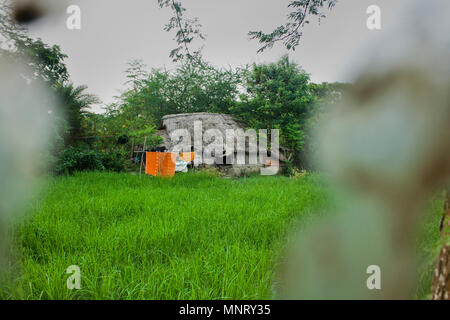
{"x": 386, "y": 148}
{"x": 27, "y": 109}
{"x": 27, "y": 11}
{"x": 25, "y": 127}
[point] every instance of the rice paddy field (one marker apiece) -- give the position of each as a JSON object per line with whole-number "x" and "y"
{"x": 197, "y": 236}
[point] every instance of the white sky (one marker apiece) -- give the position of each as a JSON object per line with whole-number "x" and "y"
{"x": 116, "y": 31}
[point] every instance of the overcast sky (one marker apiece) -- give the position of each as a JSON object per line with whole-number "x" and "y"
{"x": 116, "y": 31}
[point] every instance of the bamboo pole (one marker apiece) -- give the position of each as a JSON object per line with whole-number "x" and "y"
{"x": 142, "y": 157}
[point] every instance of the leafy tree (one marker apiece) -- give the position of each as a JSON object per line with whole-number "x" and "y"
{"x": 47, "y": 62}
{"x": 192, "y": 87}
{"x": 200, "y": 87}
{"x": 278, "y": 97}
{"x": 77, "y": 103}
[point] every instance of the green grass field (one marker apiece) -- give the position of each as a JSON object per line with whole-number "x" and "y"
{"x": 193, "y": 237}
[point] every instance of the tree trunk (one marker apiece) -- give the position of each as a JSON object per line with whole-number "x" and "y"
{"x": 441, "y": 278}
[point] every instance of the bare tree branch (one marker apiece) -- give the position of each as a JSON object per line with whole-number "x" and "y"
{"x": 189, "y": 29}
{"x": 289, "y": 33}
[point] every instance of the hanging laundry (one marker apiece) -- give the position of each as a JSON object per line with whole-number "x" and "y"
{"x": 160, "y": 164}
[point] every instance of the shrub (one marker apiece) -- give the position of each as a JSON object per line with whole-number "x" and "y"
{"x": 123, "y": 139}
{"x": 288, "y": 169}
{"x": 75, "y": 159}
{"x": 114, "y": 160}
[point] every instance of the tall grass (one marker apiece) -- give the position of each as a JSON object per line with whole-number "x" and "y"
{"x": 429, "y": 245}
{"x": 192, "y": 237}
{"x": 195, "y": 236}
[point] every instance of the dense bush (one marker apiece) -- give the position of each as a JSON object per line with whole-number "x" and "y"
{"x": 288, "y": 169}
{"x": 114, "y": 160}
{"x": 74, "y": 159}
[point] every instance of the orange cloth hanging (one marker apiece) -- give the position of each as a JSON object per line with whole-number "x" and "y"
{"x": 187, "y": 156}
{"x": 152, "y": 163}
{"x": 168, "y": 164}
{"x": 160, "y": 164}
